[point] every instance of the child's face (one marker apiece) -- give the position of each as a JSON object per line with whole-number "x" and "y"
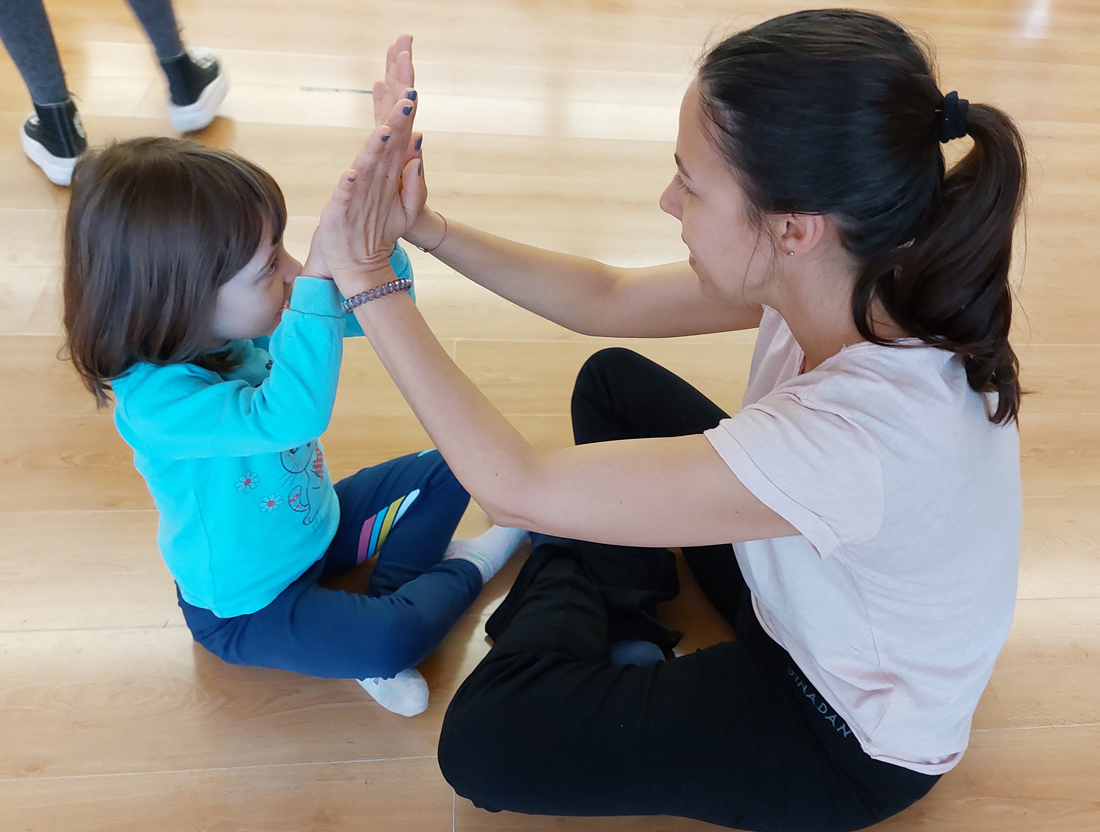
{"x": 251, "y": 302}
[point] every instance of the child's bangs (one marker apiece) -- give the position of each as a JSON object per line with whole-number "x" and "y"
{"x": 243, "y": 200}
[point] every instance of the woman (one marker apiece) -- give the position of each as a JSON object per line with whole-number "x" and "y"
{"x": 869, "y": 485}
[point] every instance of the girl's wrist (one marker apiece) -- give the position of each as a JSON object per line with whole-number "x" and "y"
{"x": 362, "y": 278}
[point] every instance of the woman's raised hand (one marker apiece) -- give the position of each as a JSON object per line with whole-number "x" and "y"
{"x": 374, "y": 203}
{"x": 399, "y": 77}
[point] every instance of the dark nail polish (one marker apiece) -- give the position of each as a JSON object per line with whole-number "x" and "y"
{"x": 411, "y": 95}
{"x": 419, "y": 142}
{"x": 385, "y": 138}
{"x": 351, "y": 179}
{"x": 420, "y": 169}
{"x": 408, "y": 110}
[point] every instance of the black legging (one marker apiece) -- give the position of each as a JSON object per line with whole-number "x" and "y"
{"x": 732, "y": 734}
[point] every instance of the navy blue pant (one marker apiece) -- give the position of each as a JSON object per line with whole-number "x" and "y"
{"x": 413, "y": 598}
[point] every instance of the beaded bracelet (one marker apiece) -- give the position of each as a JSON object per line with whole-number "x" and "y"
{"x": 402, "y": 284}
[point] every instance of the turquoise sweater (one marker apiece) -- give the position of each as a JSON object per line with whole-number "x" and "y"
{"x": 234, "y": 463}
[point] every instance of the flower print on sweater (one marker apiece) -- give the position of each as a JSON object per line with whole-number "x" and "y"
{"x": 271, "y": 502}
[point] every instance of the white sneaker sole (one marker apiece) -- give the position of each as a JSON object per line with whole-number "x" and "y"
{"x": 57, "y": 170}
{"x": 196, "y": 116}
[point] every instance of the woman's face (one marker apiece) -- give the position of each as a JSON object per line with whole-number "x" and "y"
{"x": 250, "y": 304}
{"x": 730, "y": 257}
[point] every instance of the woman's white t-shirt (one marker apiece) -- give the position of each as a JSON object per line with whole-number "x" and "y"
{"x": 897, "y": 596}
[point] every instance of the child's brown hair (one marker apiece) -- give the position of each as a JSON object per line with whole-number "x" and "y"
{"x": 155, "y": 227}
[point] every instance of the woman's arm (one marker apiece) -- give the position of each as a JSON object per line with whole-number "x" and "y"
{"x": 641, "y": 492}
{"x": 581, "y": 294}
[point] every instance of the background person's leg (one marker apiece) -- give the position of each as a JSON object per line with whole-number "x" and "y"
{"x": 158, "y": 19}
{"x": 28, "y": 37}
{"x": 197, "y": 83}
{"x": 53, "y": 137}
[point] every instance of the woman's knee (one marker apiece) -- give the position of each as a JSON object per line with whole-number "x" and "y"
{"x": 605, "y": 364}
{"x": 461, "y": 753}
{"x": 479, "y": 741}
{"x": 596, "y": 395}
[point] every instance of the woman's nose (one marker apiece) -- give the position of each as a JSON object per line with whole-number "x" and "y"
{"x": 670, "y": 201}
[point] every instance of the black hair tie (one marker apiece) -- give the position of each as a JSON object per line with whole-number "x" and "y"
{"x": 953, "y": 117}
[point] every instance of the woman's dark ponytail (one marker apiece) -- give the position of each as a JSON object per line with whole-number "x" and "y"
{"x": 854, "y": 100}
{"x": 950, "y": 287}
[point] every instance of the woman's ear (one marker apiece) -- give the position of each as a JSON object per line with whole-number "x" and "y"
{"x": 799, "y": 234}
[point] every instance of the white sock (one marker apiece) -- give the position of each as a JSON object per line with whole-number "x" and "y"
{"x": 405, "y": 694}
{"x": 489, "y": 551}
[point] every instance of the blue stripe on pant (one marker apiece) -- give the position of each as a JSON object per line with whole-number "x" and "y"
{"x": 413, "y": 598}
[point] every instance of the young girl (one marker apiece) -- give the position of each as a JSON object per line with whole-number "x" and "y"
{"x": 175, "y": 277}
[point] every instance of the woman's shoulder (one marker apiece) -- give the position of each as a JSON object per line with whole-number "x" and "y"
{"x": 903, "y": 397}
{"x": 906, "y": 371}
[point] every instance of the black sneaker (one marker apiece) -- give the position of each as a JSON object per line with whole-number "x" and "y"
{"x": 197, "y": 85}
{"x": 53, "y": 137}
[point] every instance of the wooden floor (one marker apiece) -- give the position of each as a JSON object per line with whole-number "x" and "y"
{"x": 552, "y": 122}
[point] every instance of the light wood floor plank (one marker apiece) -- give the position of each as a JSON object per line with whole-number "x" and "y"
{"x": 406, "y": 795}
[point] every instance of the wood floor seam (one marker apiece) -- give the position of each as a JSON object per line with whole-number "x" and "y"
{"x": 202, "y": 770}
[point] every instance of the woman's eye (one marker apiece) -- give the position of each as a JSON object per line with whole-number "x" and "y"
{"x": 680, "y": 183}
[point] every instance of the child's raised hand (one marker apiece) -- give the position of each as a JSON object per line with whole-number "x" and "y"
{"x": 374, "y": 204}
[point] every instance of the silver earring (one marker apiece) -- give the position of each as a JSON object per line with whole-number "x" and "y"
{"x": 790, "y": 254}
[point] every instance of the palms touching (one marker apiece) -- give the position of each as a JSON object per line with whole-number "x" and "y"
{"x": 380, "y": 196}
